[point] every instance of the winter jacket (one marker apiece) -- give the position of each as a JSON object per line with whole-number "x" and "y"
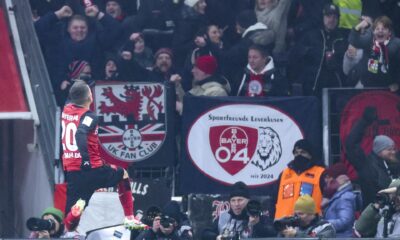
{"x": 234, "y": 59}
{"x": 373, "y": 172}
{"x": 230, "y": 224}
{"x": 316, "y": 61}
{"x": 275, "y": 18}
{"x": 274, "y": 83}
{"x": 65, "y": 50}
{"x": 317, "y": 228}
{"x": 377, "y": 68}
{"x": 371, "y": 224}
{"x": 212, "y": 86}
{"x": 340, "y": 210}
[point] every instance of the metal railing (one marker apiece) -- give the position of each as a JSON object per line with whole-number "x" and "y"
{"x": 33, "y": 68}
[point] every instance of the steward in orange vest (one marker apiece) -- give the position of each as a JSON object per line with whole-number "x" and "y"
{"x": 302, "y": 176}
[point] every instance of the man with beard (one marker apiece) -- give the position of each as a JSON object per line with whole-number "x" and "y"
{"x": 378, "y": 169}
{"x": 302, "y": 176}
{"x": 161, "y": 71}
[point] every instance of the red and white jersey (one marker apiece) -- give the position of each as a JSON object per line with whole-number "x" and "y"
{"x": 79, "y": 139}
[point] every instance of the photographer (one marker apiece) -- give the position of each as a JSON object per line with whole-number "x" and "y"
{"x": 163, "y": 227}
{"x": 381, "y": 218}
{"x": 305, "y": 223}
{"x": 183, "y": 225}
{"x": 259, "y": 225}
{"x": 50, "y": 225}
{"x": 238, "y": 222}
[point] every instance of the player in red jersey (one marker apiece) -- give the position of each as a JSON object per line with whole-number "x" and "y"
{"x": 84, "y": 168}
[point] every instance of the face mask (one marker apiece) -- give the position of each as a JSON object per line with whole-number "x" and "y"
{"x": 301, "y": 160}
{"x": 331, "y": 188}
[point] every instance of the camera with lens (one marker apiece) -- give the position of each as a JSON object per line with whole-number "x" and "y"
{"x": 253, "y": 208}
{"x": 166, "y": 221}
{"x": 383, "y": 199}
{"x": 38, "y": 224}
{"x": 281, "y": 224}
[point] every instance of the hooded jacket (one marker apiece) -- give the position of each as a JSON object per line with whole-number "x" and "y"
{"x": 274, "y": 84}
{"x": 235, "y": 58}
{"x": 340, "y": 210}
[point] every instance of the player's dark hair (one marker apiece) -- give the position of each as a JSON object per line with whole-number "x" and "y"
{"x": 79, "y": 93}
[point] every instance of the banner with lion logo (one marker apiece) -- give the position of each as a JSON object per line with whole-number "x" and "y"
{"x": 234, "y": 139}
{"x": 136, "y": 123}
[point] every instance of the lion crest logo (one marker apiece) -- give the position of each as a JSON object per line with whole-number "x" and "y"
{"x": 269, "y": 149}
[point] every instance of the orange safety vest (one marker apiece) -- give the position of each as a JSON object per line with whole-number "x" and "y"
{"x": 292, "y": 186}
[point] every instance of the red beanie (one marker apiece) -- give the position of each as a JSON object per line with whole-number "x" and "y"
{"x": 336, "y": 170}
{"x": 207, "y": 64}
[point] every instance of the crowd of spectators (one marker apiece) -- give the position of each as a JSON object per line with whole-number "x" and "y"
{"x": 261, "y": 47}
{"x": 252, "y": 48}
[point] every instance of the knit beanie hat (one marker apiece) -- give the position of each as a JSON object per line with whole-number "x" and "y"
{"x": 191, "y": 3}
{"x": 76, "y": 67}
{"x": 57, "y": 214}
{"x": 172, "y": 209}
{"x": 305, "y": 145}
{"x": 207, "y": 64}
{"x": 164, "y": 50}
{"x": 305, "y": 204}
{"x": 239, "y": 189}
{"x": 382, "y": 142}
{"x": 336, "y": 170}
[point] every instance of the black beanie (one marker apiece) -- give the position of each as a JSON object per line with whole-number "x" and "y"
{"x": 172, "y": 210}
{"x": 246, "y": 18}
{"x": 239, "y": 189}
{"x": 305, "y": 145}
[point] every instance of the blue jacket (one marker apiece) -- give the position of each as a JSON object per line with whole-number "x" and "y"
{"x": 340, "y": 211}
